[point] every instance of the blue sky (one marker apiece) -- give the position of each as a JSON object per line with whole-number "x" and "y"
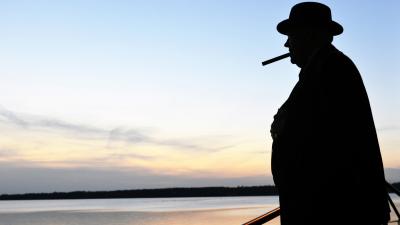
{"x": 138, "y": 94}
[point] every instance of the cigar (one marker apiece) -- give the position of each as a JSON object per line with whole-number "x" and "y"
{"x": 275, "y": 59}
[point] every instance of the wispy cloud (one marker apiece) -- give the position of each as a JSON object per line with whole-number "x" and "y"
{"x": 131, "y": 155}
{"x": 61, "y": 125}
{"x": 33, "y": 122}
{"x": 389, "y": 128}
{"x": 128, "y": 135}
{"x": 12, "y": 117}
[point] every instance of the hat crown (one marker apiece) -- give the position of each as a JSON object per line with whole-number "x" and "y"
{"x": 313, "y": 12}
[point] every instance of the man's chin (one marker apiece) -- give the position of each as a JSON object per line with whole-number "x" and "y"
{"x": 293, "y": 61}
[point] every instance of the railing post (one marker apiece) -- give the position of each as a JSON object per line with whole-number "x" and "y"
{"x": 392, "y": 188}
{"x": 265, "y": 218}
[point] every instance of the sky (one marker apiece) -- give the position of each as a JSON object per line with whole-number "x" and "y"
{"x": 105, "y": 95}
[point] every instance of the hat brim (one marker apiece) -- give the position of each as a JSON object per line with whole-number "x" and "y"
{"x": 286, "y": 26}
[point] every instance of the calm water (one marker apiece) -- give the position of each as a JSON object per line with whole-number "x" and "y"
{"x": 156, "y": 211}
{"x": 149, "y": 211}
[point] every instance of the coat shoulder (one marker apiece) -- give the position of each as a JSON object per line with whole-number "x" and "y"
{"x": 339, "y": 69}
{"x": 337, "y": 61}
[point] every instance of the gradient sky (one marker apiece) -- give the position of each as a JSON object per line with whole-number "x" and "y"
{"x": 102, "y": 95}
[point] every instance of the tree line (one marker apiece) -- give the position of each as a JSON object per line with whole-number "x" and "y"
{"x": 149, "y": 193}
{"x": 266, "y": 190}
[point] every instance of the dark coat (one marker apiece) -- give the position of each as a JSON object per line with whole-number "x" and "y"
{"x": 326, "y": 162}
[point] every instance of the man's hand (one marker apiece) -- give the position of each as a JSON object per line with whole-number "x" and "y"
{"x": 278, "y": 125}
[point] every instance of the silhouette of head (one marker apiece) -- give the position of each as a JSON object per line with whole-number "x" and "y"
{"x": 309, "y": 27}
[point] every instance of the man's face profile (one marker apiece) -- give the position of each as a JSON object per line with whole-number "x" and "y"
{"x": 298, "y": 42}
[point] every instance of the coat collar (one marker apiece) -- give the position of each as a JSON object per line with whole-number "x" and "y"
{"x": 316, "y": 60}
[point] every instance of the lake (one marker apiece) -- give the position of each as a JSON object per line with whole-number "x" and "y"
{"x": 139, "y": 211}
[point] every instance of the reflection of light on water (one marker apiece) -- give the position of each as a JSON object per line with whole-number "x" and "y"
{"x": 216, "y": 217}
{"x": 244, "y": 211}
{"x": 186, "y": 211}
{"x": 161, "y": 211}
{"x": 138, "y": 204}
{"x": 246, "y": 214}
{"x": 209, "y": 217}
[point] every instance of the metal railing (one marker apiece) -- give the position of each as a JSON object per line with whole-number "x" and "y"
{"x": 277, "y": 211}
{"x": 265, "y": 217}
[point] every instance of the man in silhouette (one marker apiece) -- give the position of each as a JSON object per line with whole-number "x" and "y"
{"x": 326, "y": 161}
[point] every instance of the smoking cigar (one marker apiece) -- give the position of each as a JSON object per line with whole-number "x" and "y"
{"x": 275, "y": 59}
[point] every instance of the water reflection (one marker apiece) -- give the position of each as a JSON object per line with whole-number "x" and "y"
{"x": 202, "y": 217}
{"x": 178, "y": 211}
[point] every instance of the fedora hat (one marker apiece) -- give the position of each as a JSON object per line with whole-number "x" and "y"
{"x": 310, "y": 14}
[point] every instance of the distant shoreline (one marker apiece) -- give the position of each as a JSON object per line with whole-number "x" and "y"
{"x": 150, "y": 193}
{"x": 266, "y": 190}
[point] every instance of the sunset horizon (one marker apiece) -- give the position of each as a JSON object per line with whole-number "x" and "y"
{"x": 140, "y": 95}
